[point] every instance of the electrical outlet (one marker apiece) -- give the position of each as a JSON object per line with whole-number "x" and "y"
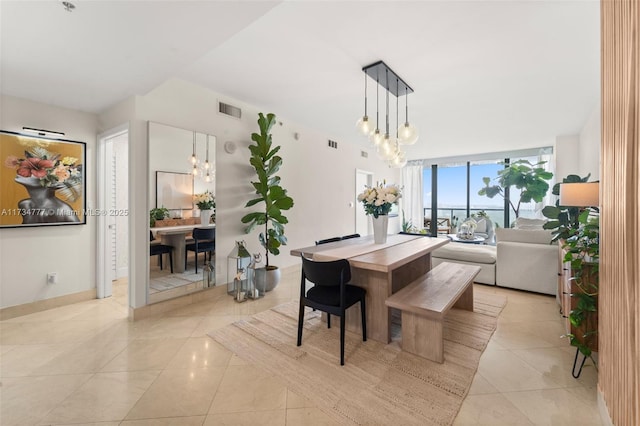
{"x": 52, "y": 278}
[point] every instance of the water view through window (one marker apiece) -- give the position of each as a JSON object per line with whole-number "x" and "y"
{"x": 452, "y": 193}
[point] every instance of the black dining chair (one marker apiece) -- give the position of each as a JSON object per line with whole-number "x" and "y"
{"x": 347, "y": 237}
{"x": 328, "y": 240}
{"x": 204, "y": 241}
{"x": 331, "y": 294}
{"x": 159, "y": 250}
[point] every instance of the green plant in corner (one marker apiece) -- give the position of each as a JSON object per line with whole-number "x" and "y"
{"x": 577, "y": 229}
{"x": 583, "y": 251}
{"x": 531, "y": 179}
{"x": 158, "y": 213}
{"x": 563, "y": 220}
{"x": 268, "y": 190}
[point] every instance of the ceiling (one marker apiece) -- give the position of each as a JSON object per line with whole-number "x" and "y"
{"x": 488, "y": 75}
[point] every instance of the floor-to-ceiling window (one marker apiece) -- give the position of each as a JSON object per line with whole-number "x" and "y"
{"x": 459, "y": 180}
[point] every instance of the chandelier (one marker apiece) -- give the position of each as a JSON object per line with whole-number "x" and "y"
{"x": 388, "y": 147}
{"x": 204, "y": 170}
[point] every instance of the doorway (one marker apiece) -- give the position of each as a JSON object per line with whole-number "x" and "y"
{"x": 112, "y": 213}
{"x": 363, "y": 225}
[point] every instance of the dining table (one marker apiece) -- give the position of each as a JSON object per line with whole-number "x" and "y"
{"x": 381, "y": 269}
{"x": 176, "y": 236}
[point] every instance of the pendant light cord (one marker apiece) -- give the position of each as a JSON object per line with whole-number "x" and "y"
{"x": 377, "y": 101}
{"x": 387, "y": 87}
{"x": 406, "y": 104}
{"x": 365, "y": 94}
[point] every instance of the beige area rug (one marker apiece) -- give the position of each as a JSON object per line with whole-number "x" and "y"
{"x": 379, "y": 384}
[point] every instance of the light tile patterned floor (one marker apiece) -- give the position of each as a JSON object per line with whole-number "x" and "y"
{"x": 87, "y": 364}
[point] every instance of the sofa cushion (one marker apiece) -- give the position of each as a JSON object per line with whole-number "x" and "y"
{"x": 467, "y": 252}
{"x": 535, "y": 236}
{"x": 525, "y": 223}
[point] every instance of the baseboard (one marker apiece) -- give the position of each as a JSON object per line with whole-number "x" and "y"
{"x": 602, "y": 409}
{"x": 43, "y": 305}
{"x": 147, "y": 311}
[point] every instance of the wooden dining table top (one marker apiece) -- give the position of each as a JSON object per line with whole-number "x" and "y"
{"x": 365, "y": 254}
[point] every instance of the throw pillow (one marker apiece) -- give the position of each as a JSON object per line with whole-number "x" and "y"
{"x": 525, "y": 223}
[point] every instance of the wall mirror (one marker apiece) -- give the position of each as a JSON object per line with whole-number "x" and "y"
{"x": 182, "y": 167}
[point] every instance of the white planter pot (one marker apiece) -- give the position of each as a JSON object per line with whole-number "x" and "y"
{"x": 380, "y": 227}
{"x": 205, "y": 216}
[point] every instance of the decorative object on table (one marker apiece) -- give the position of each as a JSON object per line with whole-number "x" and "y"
{"x": 467, "y": 229}
{"x": 387, "y": 146}
{"x": 238, "y": 262}
{"x": 377, "y": 201}
{"x": 208, "y": 275}
{"x": 156, "y": 214}
{"x": 268, "y": 190}
{"x": 531, "y": 179}
{"x": 42, "y": 181}
{"x": 575, "y": 220}
{"x": 253, "y": 291}
{"x": 206, "y": 202}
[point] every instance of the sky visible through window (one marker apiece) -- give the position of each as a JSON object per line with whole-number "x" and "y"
{"x": 452, "y": 192}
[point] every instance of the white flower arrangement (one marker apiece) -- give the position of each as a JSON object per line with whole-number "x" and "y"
{"x": 205, "y": 201}
{"x": 379, "y": 199}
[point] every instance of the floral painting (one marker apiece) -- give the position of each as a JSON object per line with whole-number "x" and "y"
{"x": 42, "y": 181}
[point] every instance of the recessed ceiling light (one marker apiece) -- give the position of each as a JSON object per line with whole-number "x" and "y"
{"x": 68, "y": 6}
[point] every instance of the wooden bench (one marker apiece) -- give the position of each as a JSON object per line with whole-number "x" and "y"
{"x": 425, "y": 302}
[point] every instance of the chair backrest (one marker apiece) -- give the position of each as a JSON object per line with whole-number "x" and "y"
{"x": 326, "y": 273}
{"x": 151, "y": 238}
{"x": 328, "y": 240}
{"x": 204, "y": 234}
{"x": 346, "y": 237}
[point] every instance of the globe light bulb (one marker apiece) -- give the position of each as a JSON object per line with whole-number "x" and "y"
{"x": 407, "y": 134}
{"x": 194, "y": 171}
{"x": 207, "y": 166}
{"x": 193, "y": 159}
{"x": 207, "y": 178}
{"x": 399, "y": 161}
{"x": 386, "y": 149}
{"x": 364, "y": 126}
{"x": 376, "y": 137}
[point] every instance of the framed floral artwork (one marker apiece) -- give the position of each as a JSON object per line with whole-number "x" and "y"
{"x": 42, "y": 181}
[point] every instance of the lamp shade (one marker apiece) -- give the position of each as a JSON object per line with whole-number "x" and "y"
{"x": 580, "y": 194}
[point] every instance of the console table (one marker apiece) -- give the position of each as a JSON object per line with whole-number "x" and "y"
{"x": 382, "y": 269}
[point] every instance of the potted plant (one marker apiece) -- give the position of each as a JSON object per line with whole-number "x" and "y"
{"x": 206, "y": 202}
{"x": 578, "y": 232}
{"x": 158, "y": 213}
{"x": 268, "y": 191}
{"x": 531, "y": 179}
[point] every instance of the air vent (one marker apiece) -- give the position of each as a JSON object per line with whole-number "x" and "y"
{"x": 333, "y": 144}
{"x": 364, "y": 154}
{"x": 229, "y": 110}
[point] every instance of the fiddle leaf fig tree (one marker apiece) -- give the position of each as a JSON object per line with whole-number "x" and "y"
{"x": 531, "y": 179}
{"x": 268, "y": 190}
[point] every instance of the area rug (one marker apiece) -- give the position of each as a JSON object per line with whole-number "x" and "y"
{"x": 379, "y": 384}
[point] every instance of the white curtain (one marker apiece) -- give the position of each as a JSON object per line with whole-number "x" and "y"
{"x": 412, "y": 195}
{"x": 549, "y": 199}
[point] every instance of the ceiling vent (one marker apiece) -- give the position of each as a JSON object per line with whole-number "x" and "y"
{"x": 332, "y": 144}
{"x": 229, "y": 110}
{"x": 364, "y": 154}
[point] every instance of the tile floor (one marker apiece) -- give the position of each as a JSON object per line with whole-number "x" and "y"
{"x": 87, "y": 364}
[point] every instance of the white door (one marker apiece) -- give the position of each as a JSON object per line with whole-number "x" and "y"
{"x": 363, "y": 224}
{"x": 111, "y": 209}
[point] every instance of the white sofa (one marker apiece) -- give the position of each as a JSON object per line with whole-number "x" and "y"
{"x": 526, "y": 260}
{"x": 470, "y": 254}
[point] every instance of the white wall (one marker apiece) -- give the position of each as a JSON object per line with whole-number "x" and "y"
{"x": 28, "y": 254}
{"x": 321, "y": 180}
{"x": 589, "y": 146}
{"x": 566, "y": 155}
